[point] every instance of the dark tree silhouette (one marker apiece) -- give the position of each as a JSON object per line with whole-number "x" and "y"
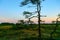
{"x": 21, "y": 21}
{"x": 27, "y": 15}
{"x": 37, "y": 3}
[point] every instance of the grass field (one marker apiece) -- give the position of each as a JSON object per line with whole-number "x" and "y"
{"x": 27, "y": 32}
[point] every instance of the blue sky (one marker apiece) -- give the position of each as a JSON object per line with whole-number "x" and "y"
{"x": 10, "y": 8}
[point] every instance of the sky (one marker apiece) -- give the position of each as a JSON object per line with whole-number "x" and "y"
{"x": 10, "y": 10}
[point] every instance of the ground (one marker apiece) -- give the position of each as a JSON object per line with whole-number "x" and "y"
{"x": 27, "y": 32}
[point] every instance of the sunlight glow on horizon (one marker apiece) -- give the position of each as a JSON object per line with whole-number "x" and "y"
{"x": 47, "y": 20}
{"x": 35, "y": 20}
{"x": 2, "y": 19}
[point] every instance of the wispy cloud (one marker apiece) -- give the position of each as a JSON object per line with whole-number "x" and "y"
{"x": 3, "y": 19}
{"x": 46, "y": 19}
{"x": 49, "y": 19}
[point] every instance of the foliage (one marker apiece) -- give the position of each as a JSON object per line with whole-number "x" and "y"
{"x": 20, "y": 22}
{"x": 25, "y": 2}
{"x": 58, "y": 15}
{"x": 27, "y": 14}
{"x": 28, "y": 32}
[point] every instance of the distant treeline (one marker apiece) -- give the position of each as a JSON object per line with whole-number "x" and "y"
{"x": 33, "y": 24}
{"x": 50, "y": 24}
{"x": 6, "y": 23}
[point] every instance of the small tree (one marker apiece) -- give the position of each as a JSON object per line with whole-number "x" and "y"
{"x": 53, "y": 22}
{"x": 21, "y": 21}
{"x": 54, "y": 30}
{"x": 27, "y": 15}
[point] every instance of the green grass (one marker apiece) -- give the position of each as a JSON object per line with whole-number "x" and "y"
{"x": 10, "y": 32}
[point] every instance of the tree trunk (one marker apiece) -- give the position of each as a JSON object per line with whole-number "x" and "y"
{"x": 29, "y": 21}
{"x": 39, "y": 27}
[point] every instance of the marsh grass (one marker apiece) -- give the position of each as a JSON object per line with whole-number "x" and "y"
{"x": 11, "y": 32}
